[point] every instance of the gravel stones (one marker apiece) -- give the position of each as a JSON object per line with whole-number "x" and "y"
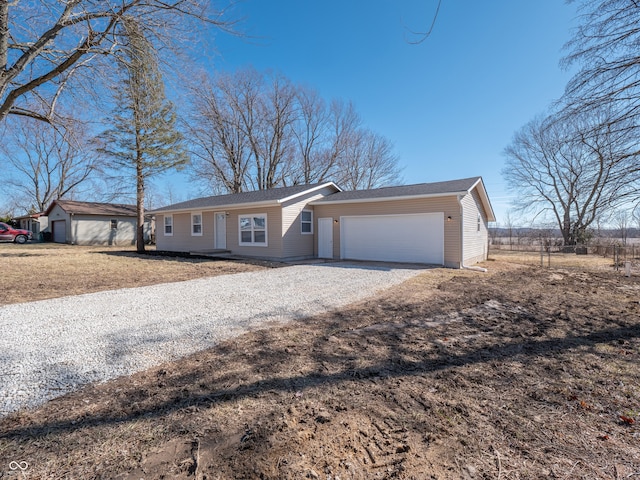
{"x": 51, "y": 347}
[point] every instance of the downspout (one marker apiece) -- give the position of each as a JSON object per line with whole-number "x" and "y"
{"x": 462, "y": 265}
{"x": 71, "y": 227}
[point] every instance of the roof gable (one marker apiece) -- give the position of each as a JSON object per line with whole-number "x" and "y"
{"x": 93, "y": 208}
{"x": 273, "y": 196}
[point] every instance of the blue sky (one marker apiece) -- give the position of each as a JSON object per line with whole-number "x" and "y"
{"x": 450, "y": 104}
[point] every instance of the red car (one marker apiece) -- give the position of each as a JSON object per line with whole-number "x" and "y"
{"x": 10, "y": 234}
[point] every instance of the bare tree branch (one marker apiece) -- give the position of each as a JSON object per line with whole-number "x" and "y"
{"x": 40, "y": 41}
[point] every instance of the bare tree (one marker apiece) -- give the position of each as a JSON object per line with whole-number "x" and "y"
{"x": 605, "y": 48}
{"x": 575, "y": 168}
{"x": 254, "y": 131}
{"x": 271, "y": 143}
{"x": 368, "y": 162}
{"x": 321, "y": 135}
{"x": 219, "y": 146}
{"x": 47, "y": 163}
{"x": 43, "y": 43}
{"x": 509, "y": 225}
{"x": 622, "y": 221}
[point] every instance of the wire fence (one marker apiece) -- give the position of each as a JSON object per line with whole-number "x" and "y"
{"x": 625, "y": 258}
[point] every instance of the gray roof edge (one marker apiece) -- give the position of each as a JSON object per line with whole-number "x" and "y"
{"x": 328, "y": 200}
{"x": 192, "y": 205}
{"x": 459, "y": 186}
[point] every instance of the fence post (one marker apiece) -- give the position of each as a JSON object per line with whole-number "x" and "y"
{"x": 541, "y": 254}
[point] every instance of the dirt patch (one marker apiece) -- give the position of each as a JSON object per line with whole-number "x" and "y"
{"x": 45, "y": 270}
{"x": 522, "y": 373}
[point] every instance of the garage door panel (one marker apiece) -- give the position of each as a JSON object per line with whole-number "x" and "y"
{"x": 394, "y": 238}
{"x": 59, "y": 228}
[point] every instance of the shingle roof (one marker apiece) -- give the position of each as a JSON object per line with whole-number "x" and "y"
{"x": 419, "y": 189}
{"x": 93, "y": 208}
{"x": 259, "y": 196}
{"x": 436, "y": 189}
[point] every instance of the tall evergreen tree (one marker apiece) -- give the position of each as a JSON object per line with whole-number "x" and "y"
{"x": 144, "y": 137}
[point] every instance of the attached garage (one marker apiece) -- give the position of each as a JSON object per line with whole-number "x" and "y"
{"x": 441, "y": 223}
{"x": 414, "y": 238}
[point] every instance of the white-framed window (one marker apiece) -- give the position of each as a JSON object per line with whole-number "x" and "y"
{"x": 306, "y": 222}
{"x": 479, "y": 221}
{"x": 196, "y": 224}
{"x": 253, "y": 229}
{"x": 114, "y": 224}
{"x": 168, "y": 225}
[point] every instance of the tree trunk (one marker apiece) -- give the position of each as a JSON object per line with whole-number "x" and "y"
{"x": 4, "y": 36}
{"x": 567, "y": 235}
{"x": 140, "y": 207}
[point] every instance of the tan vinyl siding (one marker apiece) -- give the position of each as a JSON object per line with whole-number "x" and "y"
{"x": 96, "y": 230}
{"x": 182, "y": 240}
{"x": 274, "y": 233}
{"x": 475, "y": 242}
{"x": 294, "y": 243}
{"x": 447, "y": 205}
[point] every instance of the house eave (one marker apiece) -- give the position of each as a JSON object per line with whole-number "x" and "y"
{"x": 217, "y": 208}
{"x": 387, "y": 199}
{"x": 486, "y": 203}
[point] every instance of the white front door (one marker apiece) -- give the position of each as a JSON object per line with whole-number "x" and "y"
{"x": 325, "y": 238}
{"x": 221, "y": 231}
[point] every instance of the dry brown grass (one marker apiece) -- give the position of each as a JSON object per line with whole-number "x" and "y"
{"x": 520, "y": 373}
{"x": 46, "y": 270}
{"x": 555, "y": 260}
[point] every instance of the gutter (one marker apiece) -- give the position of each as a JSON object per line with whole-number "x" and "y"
{"x": 215, "y": 208}
{"x": 383, "y": 199}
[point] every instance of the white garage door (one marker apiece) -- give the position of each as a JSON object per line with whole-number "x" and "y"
{"x": 415, "y": 238}
{"x": 59, "y": 231}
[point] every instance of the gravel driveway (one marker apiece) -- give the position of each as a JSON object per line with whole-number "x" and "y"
{"x": 51, "y": 347}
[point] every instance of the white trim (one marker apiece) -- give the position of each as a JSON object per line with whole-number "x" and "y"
{"x": 386, "y": 199}
{"x": 253, "y": 230}
{"x": 193, "y": 224}
{"x": 216, "y": 208}
{"x": 310, "y": 190}
{"x": 303, "y": 222}
{"x": 164, "y": 225}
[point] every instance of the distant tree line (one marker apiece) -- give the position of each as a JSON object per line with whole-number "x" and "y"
{"x": 579, "y": 162}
